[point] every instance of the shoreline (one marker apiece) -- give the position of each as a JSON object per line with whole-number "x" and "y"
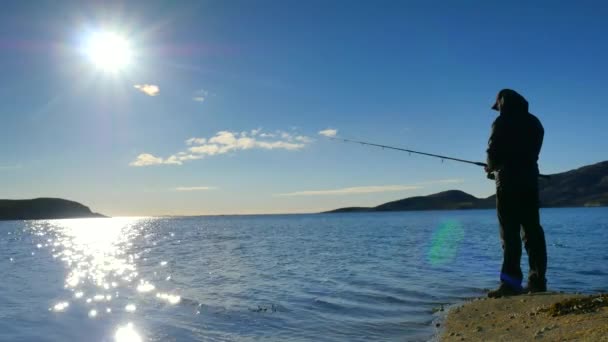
{"x": 545, "y": 316}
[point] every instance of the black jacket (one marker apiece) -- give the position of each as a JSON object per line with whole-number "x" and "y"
{"x": 514, "y": 146}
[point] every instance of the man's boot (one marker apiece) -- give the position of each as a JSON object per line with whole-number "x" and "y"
{"x": 504, "y": 290}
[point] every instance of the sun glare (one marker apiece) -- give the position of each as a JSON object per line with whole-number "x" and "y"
{"x": 108, "y": 51}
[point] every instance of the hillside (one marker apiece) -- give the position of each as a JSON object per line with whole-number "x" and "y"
{"x": 585, "y": 186}
{"x": 43, "y": 208}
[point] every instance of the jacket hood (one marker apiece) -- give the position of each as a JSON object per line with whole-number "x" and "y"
{"x": 512, "y": 102}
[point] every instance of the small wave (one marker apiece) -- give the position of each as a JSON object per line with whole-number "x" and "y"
{"x": 377, "y": 298}
{"x": 328, "y": 305}
{"x": 592, "y": 272}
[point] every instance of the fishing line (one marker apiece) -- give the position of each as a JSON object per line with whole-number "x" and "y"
{"x": 417, "y": 152}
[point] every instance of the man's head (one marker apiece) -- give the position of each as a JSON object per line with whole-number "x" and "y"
{"x": 509, "y": 100}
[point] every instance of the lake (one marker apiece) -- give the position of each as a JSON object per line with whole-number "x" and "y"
{"x": 325, "y": 277}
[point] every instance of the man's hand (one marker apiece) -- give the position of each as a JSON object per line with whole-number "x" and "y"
{"x": 489, "y": 173}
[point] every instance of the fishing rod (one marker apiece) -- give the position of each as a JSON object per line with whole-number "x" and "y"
{"x": 418, "y": 152}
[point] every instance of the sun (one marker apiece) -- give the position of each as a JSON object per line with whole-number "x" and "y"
{"x": 108, "y": 51}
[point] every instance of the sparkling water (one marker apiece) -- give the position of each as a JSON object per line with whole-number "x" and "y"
{"x": 330, "y": 277}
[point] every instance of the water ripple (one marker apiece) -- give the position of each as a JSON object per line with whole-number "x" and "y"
{"x": 304, "y": 277}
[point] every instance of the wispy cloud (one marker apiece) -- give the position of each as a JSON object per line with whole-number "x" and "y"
{"x": 371, "y": 189}
{"x": 10, "y": 167}
{"x": 194, "y": 188}
{"x": 353, "y": 190}
{"x": 200, "y": 95}
{"x": 146, "y": 159}
{"x": 226, "y": 141}
{"x": 148, "y": 89}
{"x": 330, "y": 132}
{"x": 196, "y": 141}
{"x": 444, "y": 181}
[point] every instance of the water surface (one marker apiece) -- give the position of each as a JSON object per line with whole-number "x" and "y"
{"x": 334, "y": 277}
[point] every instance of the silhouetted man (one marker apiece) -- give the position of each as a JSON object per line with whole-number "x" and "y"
{"x": 513, "y": 148}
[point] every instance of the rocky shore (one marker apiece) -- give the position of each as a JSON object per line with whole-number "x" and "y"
{"x": 544, "y": 317}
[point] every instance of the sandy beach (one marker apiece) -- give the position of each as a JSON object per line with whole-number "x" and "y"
{"x": 546, "y": 316}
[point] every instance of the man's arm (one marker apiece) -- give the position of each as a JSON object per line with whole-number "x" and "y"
{"x": 496, "y": 146}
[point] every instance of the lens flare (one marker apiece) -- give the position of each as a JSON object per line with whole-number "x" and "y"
{"x": 445, "y": 243}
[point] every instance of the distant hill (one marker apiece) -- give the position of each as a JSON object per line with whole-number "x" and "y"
{"x": 582, "y": 187}
{"x": 42, "y": 209}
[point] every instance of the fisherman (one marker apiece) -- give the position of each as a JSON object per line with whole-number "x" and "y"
{"x": 512, "y": 155}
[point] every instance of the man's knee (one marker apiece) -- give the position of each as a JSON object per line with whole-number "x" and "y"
{"x": 533, "y": 234}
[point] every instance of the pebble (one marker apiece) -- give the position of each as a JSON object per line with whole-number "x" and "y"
{"x": 478, "y": 329}
{"x": 453, "y": 334}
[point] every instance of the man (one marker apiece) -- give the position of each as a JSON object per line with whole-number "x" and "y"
{"x": 513, "y": 149}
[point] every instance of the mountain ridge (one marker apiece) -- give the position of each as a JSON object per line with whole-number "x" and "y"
{"x": 586, "y": 186}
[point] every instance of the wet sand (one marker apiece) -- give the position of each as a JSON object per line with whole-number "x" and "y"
{"x": 543, "y": 316}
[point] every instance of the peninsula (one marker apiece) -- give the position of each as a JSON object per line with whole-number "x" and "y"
{"x": 43, "y": 209}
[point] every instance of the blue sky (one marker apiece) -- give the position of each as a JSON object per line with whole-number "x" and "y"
{"x": 254, "y": 83}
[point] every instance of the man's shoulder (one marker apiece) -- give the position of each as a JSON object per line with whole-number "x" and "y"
{"x": 533, "y": 117}
{"x": 535, "y": 120}
{"x": 499, "y": 120}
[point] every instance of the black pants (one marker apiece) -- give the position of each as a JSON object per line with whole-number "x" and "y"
{"x": 518, "y": 209}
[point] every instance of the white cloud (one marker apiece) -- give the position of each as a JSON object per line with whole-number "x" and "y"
{"x": 194, "y": 188}
{"x": 173, "y": 160}
{"x": 330, "y": 133}
{"x": 224, "y": 142}
{"x": 205, "y": 149}
{"x": 183, "y": 156}
{"x": 279, "y": 145}
{"x": 148, "y": 89}
{"x": 354, "y": 190}
{"x": 372, "y": 189}
{"x": 146, "y": 159}
{"x": 224, "y": 138}
{"x": 200, "y": 95}
{"x": 195, "y": 141}
{"x": 303, "y": 139}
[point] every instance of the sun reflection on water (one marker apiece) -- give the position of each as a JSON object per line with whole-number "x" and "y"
{"x": 101, "y": 257}
{"x": 95, "y": 250}
{"x": 127, "y": 333}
